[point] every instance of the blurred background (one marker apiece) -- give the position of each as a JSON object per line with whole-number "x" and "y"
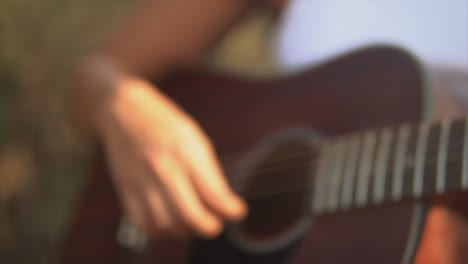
{"x": 42, "y": 160}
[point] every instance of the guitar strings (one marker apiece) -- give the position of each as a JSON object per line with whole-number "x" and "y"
{"x": 310, "y": 165}
{"x": 321, "y": 143}
{"x": 285, "y": 158}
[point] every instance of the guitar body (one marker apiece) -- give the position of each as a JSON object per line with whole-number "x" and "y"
{"x": 371, "y": 88}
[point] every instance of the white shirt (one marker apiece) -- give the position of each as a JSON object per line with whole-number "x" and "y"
{"x": 315, "y": 30}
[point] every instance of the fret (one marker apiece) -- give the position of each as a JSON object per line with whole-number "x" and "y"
{"x": 420, "y": 159}
{"x": 392, "y": 164}
{"x": 465, "y": 157}
{"x": 381, "y": 164}
{"x": 388, "y": 185}
{"x": 454, "y": 162}
{"x": 430, "y": 163}
{"x": 364, "y": 171}
{"x": 350, "y": 171}
{"x": 410, "y": 162}
{"x": 402, "y": 144}
{"x": 338, "y": 152}
{"x": 320, "y": 179}
{"x": 442, "y": 156}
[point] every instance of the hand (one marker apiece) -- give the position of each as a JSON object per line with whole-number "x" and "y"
{"x": 163, "y": 166}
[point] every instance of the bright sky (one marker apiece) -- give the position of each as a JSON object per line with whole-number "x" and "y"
{"x": 314, "y": 30}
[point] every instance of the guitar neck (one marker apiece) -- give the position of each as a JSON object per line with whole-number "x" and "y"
{"x": 392, "y": 164}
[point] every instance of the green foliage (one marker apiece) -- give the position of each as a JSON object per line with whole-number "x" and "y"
{"x": 39, "y": 42}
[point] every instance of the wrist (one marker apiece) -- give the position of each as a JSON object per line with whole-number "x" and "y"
{"x": 94, "y": 85}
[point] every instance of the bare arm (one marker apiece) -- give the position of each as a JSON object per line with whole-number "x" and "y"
{"x": 157, "y": 38}
{"x": 166, "y": 34}
{"x": 163, "y": 165}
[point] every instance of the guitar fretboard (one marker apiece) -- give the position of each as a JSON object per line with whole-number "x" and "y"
{"x": 391, "y": 164}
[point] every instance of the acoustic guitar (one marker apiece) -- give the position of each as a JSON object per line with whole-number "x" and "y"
{"x": 339, "y": 164}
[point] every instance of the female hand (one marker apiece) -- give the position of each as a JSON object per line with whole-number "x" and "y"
{"x": 163, "y": 166}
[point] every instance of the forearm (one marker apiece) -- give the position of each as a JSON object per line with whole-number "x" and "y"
{"x": 158, "y": 38}
{"x": 162, "y": 36}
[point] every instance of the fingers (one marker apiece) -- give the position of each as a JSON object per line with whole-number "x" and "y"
{"x": 152, "y": 212}
{"x": 167, "y": 186}
{"x": 183, "y": 197}
{"x": 165, "y": 203}
{"x": 142, "y": 200}
{"x": 211, "y": 185}
{"x": 163, "y": 221}
{"x": 137, "y": 215}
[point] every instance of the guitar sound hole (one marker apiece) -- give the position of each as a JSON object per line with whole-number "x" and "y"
{"x": 278, "y": 192}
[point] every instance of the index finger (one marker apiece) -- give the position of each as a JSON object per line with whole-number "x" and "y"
{"x": 211, "y": 184}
